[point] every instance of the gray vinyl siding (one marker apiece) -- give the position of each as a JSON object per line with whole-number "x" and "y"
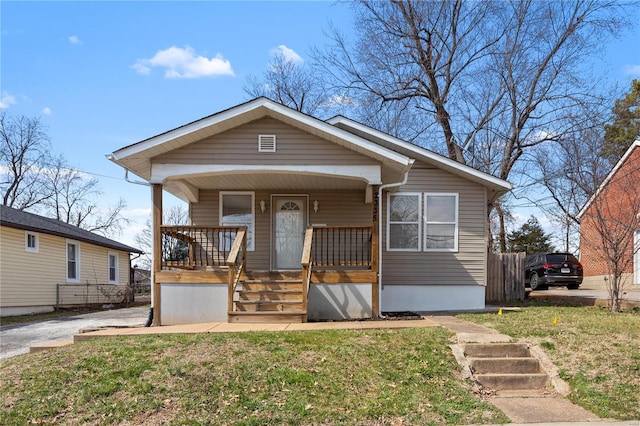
{"x": 240, "y": 146}
{"x": 345, "y": 208}
{"x": 464, "y": 267}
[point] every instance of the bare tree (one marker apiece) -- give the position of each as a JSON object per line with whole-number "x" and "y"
{"x": 290, "y": 83}
{"x": 24, "y": 148}
{"x": 495, "y": 77}
{"x": 608, "y": 224}
{"x": 568, "y": 172}
{"x": 32, "y": 178}
{"x": 176, "y": 215}
{"x": 74, "y": 199}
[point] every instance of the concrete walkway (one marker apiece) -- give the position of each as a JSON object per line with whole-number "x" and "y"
{"x": 543, "y": 408}
{"x": 528, "y": 407}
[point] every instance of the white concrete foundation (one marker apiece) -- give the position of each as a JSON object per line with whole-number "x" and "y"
{"x": 339, "y": 301}
{"x": 12, "y": 311}
{"x": 193, "y": 303}
{"x": 414, "y": 298}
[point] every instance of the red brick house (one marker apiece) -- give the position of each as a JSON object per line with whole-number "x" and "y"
{"x": 610, "y": 223}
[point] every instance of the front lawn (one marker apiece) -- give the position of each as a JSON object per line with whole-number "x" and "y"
{"x": 597, "y": 352}
{"x": 374, "y": 377}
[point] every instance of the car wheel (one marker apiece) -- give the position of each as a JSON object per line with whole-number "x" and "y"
{"x": 534, "y": 282}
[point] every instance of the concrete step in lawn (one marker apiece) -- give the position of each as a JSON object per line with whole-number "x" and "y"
{"x": 505, "y": 366}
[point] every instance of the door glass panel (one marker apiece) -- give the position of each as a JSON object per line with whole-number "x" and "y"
{"x": 289, "y": 234}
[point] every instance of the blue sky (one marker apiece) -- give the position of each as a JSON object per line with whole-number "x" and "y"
{"x": 103, "y": 75}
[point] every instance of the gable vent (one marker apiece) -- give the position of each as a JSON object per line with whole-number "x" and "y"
{"x": 266, "y": 143}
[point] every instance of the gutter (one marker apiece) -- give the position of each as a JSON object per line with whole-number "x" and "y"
{"x": 404, "y": 180}
{"x": 139, "y": 182}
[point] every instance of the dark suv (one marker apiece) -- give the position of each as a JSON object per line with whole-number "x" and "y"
{"x": 552, "y": 269}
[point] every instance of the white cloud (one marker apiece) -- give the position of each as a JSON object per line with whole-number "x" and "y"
{"x": 47, "y": 111}
{"x": 74, "y": 39}
{"x": 632, "y": 69}
{"x": 184, "y": 63}
{"x": 338, "y": 100}
{"x": 7, "y": 100}
{"x": 288, "y": 54}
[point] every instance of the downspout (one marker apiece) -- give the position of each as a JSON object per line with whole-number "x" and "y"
{"x": 405, "y": 178}
{"x": 142, "y": 183}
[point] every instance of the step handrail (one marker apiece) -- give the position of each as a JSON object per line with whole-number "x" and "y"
{"x": 236, "y": 262}
{"x": 307, "y": 266}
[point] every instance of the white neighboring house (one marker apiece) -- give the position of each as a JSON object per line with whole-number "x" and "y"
{"x": 37, "y": 253}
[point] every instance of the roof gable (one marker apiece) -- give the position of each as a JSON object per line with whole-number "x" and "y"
{"x": 19, "y": 219}
{"x": 136, "y": 157}
{"x": 635, "y": 145}
{"x": 425, "y": 155}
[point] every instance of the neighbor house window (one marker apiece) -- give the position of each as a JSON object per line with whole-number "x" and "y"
{"x": 31, "y": 243}
{"x": 440, "y": 222}
{"x": 73, "y": 261}
{"x": 237, "y": 209}
{"x": 113, "y": 268}
{"x": 403, "y": 216}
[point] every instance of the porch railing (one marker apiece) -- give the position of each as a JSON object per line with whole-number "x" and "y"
{"x": 336, "y": 247}
{"x": 190, "y": 247}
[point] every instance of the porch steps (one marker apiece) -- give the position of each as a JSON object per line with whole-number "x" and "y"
{"x": 505, "y": 366}
{"x": 269, "y": 297}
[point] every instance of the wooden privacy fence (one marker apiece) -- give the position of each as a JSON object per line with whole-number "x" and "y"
{"x": 505, "y": 278}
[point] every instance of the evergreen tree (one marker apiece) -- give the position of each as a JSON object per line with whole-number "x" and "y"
{"x": 625, "y": 128}
{"x": 529, "y": 238}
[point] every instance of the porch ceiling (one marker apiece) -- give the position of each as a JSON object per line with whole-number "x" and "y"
{"x": 263, "y": 181}
{"x": 274, "y": 180}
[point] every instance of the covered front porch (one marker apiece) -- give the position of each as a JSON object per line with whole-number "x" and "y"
{"x": 207, "y": 273}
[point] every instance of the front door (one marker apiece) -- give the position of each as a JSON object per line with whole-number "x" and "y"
{"x": 289, "y": 223}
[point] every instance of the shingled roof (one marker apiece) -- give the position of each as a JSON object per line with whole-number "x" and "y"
{"x": 19, "y": 219}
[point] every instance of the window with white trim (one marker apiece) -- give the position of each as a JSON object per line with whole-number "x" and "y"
{"x": 440, "y": 222}
{"x": 31, "y": 242}
{"x": 113, "y": 268}
{"x": 403, "y": 219}
{"x": 73, "y": 261}
{"x": 237, "y": 209}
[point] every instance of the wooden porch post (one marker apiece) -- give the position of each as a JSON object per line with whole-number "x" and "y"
{"x": 157, "y": 245}
{"x": 375, "y": 244}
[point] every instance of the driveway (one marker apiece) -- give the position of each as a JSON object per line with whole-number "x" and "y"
{"x": 630, "y": 293}
{"x": 17, "y": 339}
{"x": 589, "y": 296}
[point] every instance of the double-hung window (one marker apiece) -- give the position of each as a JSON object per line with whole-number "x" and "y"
{"x": 403, "y": 213}
{"x": 440, "y": 222}
{"x": 237, "y": 209}
{"x": 113, "y": 268}
{"x": 31, "y": 242}
{"x": 73, "y": 261}
{"x": 422, "y": 221}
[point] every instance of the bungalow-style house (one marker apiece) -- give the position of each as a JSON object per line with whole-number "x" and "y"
{"x": 39, "y": 254}
{"x": 611, "y": 218}
{"x": 293, "y": 218}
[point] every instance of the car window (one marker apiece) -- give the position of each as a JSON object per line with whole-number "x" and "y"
{"x": 560, "y": 257}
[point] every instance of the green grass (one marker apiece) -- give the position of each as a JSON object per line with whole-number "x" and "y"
{"x": 597, "y": 352}
{"x": 333, "y": 377}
